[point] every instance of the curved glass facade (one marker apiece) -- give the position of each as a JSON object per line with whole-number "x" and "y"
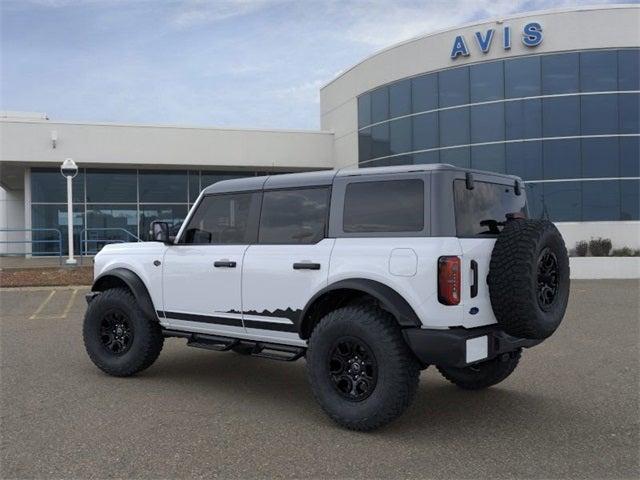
{"x": 567, "y": 123}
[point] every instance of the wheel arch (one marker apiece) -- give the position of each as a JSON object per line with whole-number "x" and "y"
{"x": 123, "y": 277}
{"x": 346, "y": 291}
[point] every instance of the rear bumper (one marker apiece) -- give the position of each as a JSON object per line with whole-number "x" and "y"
{"x": 459, "y": 347}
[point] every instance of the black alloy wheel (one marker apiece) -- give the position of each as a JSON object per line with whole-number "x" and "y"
{"x": 353, "y": 369}
{"x": 116, "y": 332}
{"x": 547, "y": 278}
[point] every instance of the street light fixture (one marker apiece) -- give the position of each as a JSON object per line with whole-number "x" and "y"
{"x": 69, "y": 169}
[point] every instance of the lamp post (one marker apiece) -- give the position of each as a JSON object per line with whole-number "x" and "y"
{"x": 69, "y": 170}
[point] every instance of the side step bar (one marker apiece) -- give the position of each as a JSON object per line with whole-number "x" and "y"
{"x": 273, "y": 351}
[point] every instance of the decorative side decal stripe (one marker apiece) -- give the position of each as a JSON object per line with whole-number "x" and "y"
{"x": 233, "y": 322}
{"x": 191, "y": 317}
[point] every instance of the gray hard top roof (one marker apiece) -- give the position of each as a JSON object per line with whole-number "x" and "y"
{"x": 326, "y": 177}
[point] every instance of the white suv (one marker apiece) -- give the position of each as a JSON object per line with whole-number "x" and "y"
{"x": 370, "y": 274}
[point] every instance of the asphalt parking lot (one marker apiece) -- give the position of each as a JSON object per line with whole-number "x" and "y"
{"x": 569, "y": 411}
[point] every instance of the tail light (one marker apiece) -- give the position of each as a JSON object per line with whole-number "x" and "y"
{"x": 449, "y": 280}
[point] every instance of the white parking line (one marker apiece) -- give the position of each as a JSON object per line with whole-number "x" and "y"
{"x": 65, "y": 312}
{"x": 42, "y": 305}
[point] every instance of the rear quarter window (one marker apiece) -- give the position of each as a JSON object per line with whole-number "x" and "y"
{"x": 384, "y": 206}
{"x": 481, "y": 212}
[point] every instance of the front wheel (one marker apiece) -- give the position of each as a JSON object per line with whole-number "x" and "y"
{"x": 118, "y": 337}
{"x": 484, "y": 374}
{"x": 361, "y": 371}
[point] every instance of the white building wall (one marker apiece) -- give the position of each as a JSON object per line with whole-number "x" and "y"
{"x": 11, "y": 217}
{"x": 29, "y": 141}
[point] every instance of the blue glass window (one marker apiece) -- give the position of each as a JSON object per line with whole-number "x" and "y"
{"x": 364, "y": 144}
{"x": 561, "y": 116}
{"x": 459, "y": 157}
{"x": 194, "y": 185}
{"x": 174, "y": 215}
{"x": 630, "y": 156}
{"x": 487, "y": 81}
{"x": 562, "y": 201}
{"x": 48, "y": 185}
{"x": 487, "y": 123}
{"x": 454, "y": 127}
{"x": 400, "y": 99}
{"x": 629, "y": 113}
{"x": 364, "y": 110}
{"x": 523, "y": 119}
{"x": 599, "y": 71}
{"x": 53, "y": 216}
{"x": 522, "y": 77}
{"x": 112, "y": 186}
{"x": 488, "y": 157}
{"x": 379, "y": 105}
{"x": 453, "y": 86}
{"x": 629, "y": 200}
{"x": 424, "y": 93}
{"x": 629, "y": 69}
{"x": 400, "y": 135}
{"x": 426, "y": 157}
{"x": 116, "y": 218}
{"x": 390, "y": 161}
{"x": 163, "y": 186}
{"x": 599, "y": 114}
{"x": 534, "y": 199}
{"x": 600, "y": 157}
{"x": 600, "y": 201}
{"x": 560, "y": 73}
{"x": 380, "y": 140}
{"x": 425, "y": 131}
{"x": 524, "y": 159}
{"x": 561, "y": 159}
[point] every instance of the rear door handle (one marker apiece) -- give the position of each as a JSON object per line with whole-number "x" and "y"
{"x": 306, "y": 266}
{"x": 224, "y": 264}
{"x": 474, "y": 271}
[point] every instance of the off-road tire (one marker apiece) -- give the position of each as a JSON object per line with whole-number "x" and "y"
{"x": 514, "y": 278}
{"x": 147, "y": 339}
{"x": 398, "y": 370}
{"x": 482, "y": 375}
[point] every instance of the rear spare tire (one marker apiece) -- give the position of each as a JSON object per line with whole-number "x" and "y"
{"x": 529, "y": 278}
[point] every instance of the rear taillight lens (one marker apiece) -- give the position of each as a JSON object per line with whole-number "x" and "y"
{"x": 449, "y": 280}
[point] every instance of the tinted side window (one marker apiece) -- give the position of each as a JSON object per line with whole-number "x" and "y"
{"x": 384, "y": 206}
{"x": 297, "y": 216}
{"x": 481, "y": 211}
{"x": 224, "y": 219}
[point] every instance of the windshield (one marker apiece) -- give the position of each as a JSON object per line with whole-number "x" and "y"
{"x": 482, "y": 211}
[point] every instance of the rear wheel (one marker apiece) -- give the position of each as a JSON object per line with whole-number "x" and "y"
{"x": 361, "y": 370}
{"x": 118, "y": 337}
{"x": 484, "y": 374}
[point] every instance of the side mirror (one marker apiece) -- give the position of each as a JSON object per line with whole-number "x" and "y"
{"x": 160, "y": 232}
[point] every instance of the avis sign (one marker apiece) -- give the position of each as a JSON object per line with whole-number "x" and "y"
{"x": 531, "y": 37}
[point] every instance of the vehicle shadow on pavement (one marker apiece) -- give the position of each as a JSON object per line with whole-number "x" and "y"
{"x": 439, "y": 407}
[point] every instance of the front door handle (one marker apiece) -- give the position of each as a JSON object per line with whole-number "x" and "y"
{"x": 224, "y": 264}
{"x": 306, "y": 266}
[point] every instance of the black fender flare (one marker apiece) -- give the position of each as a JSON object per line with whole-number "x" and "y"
{"x": 391, "y": 300}
{"x": 133, "y": 282}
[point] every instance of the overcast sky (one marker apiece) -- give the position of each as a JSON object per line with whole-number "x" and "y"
{"x": 243, "y": 63}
